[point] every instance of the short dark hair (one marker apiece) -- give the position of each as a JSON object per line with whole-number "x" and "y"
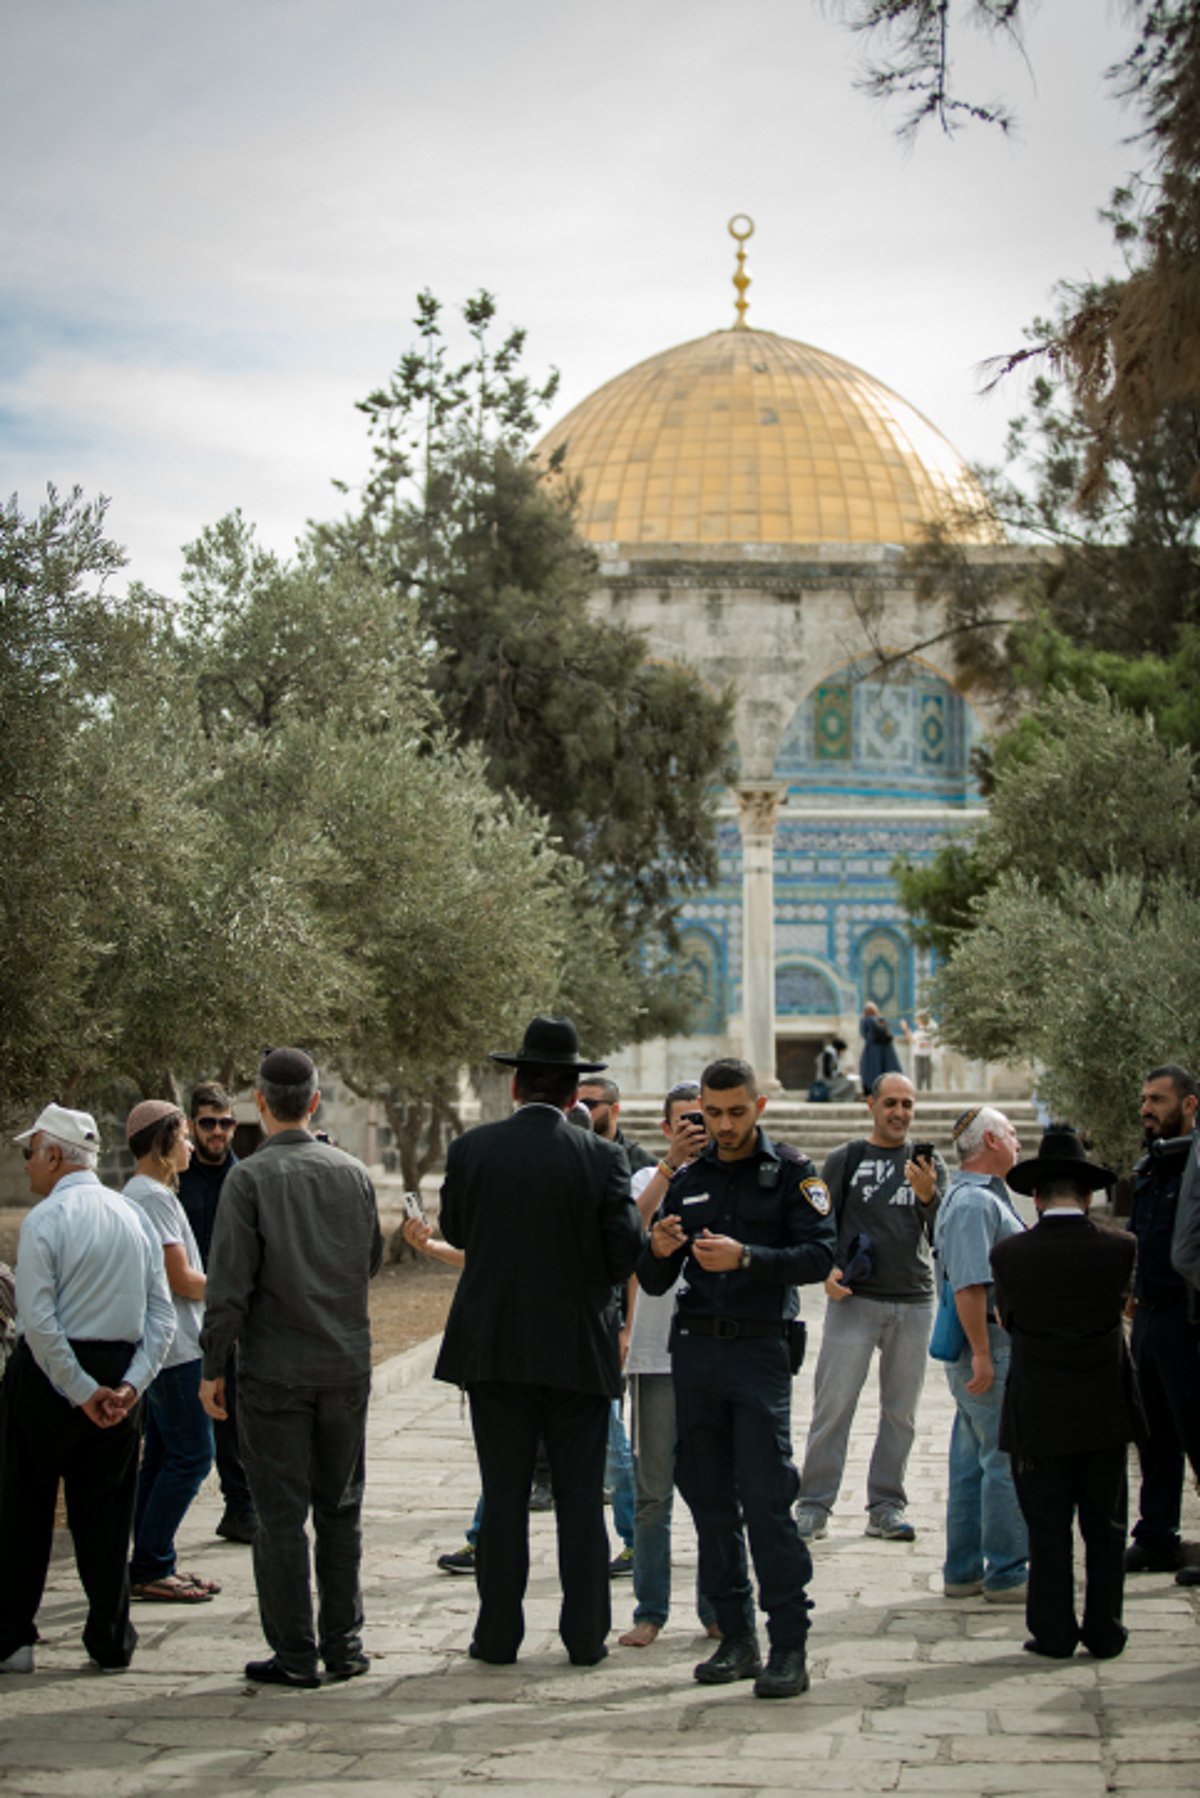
{"x": 1182, "y": 1079}
{"x": 682, "y": 1089}
{"x": 288, "y": 1103}
{"x": 726, "y": 1073}
{"x": 609, "y": 1088}
{"x": 209, "y": 1095}
{"x": 158, "y": 1138}
{"x": 539, "y": 1084}
{"x": 1062, "y": 1186}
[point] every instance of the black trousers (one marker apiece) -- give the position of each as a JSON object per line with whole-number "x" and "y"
{"x": 43, "y": 1439}
{"x": 235, "y": 1487}
{"x": 1168, "y": 1368}
{"x": 734, "y": 1466}
{"x": 305, "y": 1452}
{"x": 507, "y": 1418}
{"x": 1052, "y": 1490}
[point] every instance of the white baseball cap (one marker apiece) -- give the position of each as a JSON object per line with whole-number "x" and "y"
{"x": 77, "y": 1127}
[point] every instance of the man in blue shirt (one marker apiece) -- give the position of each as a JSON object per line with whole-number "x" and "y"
{"x": 987, "y": 1545}
{"x": 95, "y": 1319}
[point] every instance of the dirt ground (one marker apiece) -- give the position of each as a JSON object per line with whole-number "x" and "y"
{"x": 409, "y": 1299}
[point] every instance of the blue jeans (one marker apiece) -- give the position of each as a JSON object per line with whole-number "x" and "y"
{"x": 986, "y": 1536}
{"x": 618, "y": 1475}
{"x": 177, "y": 1455}
{"x": 653, "y": 1416}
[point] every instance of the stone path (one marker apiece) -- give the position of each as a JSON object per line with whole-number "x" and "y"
{"x": 911, "y": 1693}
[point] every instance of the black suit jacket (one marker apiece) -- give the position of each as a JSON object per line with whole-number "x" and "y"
{"x": 543, "y": 1213}
{"x": 1060, "y": 1293}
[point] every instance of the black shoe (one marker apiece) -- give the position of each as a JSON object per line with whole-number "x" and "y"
{"x": 459, "y": 1560}
{"x": 1155, "y": 1557}
{"x": 737, "y": 1657}
{"x": 350, "y": 1669}
{"x": 621, "y": 1566}
{"x": 1033, "y": 1646}
{"x": 1188, "y": 1576}
{"x": 541, "y": 1498}
{"x": 274, "y": 1673}
{"x": 590, "y": 1660}
{"x": 1109, "y": 1648}
{"x": 238, "y": 1526}
{"x": 784, "y": 1676}
{"x": 492, "y": 1660}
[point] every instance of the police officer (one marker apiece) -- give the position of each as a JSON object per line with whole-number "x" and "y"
{"x": 1164, "y": 1341}
{"x": 747, "y": 1222}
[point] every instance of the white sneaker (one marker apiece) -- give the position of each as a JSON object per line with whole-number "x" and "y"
{"x": 812, "y": 1523}
{"x": 1006, "y": 1594}
{"x": 963, "y": 1588}
{"x": 19, "y": 1661}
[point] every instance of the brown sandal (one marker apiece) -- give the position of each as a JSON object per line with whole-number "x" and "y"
{"x": 173, "y": 1588}
{"x": 211, "y": 1586}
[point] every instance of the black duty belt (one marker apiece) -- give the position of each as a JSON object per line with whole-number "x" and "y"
{"x": 728, "y": 1329}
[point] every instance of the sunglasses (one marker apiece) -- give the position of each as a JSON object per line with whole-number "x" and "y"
{"x": 594, "y": 1104}
{"x": 214, "y": 1123}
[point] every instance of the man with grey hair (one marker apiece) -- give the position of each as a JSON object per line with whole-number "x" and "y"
{"x": 296, "y": 1241}
{"x": 987, "y": 1545}
{"x": 94, "y": 1321}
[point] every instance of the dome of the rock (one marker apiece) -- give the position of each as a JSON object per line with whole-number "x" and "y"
{"x": 745, "y": 437}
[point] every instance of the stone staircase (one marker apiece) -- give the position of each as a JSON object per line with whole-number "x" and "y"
{"x": 819, "y": 1128}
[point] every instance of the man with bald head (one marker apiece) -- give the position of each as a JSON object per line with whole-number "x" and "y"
{"x": 880, "y": 1298}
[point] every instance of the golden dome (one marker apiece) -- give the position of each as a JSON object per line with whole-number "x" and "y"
{"x": 747, "y": 437}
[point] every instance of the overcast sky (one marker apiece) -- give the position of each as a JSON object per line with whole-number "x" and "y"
{"x": 214, "y": 218}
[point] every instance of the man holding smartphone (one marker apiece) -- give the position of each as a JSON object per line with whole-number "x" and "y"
{"x": 885, "y": 1193}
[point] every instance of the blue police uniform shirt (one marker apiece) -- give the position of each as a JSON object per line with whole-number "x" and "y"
{"x": 776, "y": 1204}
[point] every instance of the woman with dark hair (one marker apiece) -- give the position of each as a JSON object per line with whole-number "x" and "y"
{"x": 178, "y": 1448}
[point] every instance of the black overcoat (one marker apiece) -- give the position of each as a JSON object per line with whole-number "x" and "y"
{"x": 1060, "y": 1292}
{"x": 543, "y": 1213}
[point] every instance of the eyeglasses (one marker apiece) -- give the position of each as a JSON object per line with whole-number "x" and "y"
{"x": 593, "y": 1104}
{"x": 214, "y": 1123}
{"x": 27, "y": 1154}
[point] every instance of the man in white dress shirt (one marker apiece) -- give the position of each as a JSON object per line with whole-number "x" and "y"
{"x": 94, "y": 1320}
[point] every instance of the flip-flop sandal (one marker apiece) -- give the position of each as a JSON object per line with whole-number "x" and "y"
{"x": 169, "y": 1590}
{"x": 211, "y": 1586}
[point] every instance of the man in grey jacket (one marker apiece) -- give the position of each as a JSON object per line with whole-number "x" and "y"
{"x": 296, "y": 1241}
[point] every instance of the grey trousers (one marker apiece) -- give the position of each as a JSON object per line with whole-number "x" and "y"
{"x": 854, "y": 1329}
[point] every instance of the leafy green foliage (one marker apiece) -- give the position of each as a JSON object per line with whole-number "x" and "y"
{"x": 618, "y": 754}
{"x": 1078, "y": 959}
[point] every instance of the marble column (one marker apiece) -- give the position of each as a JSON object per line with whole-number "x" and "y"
{"x": 758, "y": 803}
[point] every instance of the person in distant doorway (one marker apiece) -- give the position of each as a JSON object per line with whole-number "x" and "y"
{"x": 879, "y": 1049}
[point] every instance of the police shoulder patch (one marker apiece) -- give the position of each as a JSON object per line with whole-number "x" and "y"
{"x": 817, "y": 1194}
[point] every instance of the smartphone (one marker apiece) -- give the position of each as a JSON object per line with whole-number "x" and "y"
{"x": 922, "y": 1151}
{"x": 414, "y": 1208}
{"x": 694, "y": 1117}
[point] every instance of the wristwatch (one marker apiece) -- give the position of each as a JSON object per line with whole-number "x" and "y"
{"x": 744, "y": 1258}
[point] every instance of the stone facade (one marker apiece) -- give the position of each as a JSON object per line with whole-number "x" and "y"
{"x": 851, "y": 748}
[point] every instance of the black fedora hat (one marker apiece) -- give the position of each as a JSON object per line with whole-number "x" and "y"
{"x": 1060, "y": 1156}
{"x": 549, "y": 1043}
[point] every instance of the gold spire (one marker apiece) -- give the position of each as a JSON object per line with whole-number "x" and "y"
{"x": 740, "y": 228}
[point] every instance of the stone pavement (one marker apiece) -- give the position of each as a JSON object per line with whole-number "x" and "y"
{"x": 911, "y": 1693}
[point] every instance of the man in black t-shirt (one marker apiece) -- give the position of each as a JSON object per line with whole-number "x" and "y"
{"x": 880, "y": 1297}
